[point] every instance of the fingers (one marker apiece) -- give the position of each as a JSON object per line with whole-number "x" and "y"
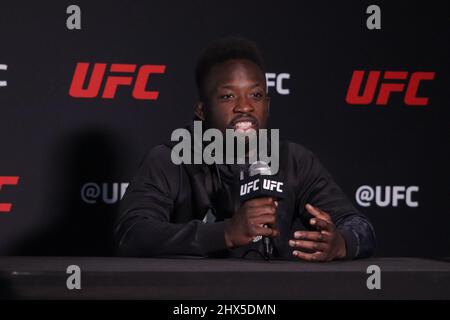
{"x": 261, "y": 206}
{"x": 258, "y": 202}
{"x": 310, "y": 245}
{"x": 319, "y": 236}
{"x": 316, "y": 212}
{"x": 265, "y": 232}
{"x": 316, "y": 256}
{"x": 265, "y": 219}
{"x": 255, "y": 217}
{"x": 322, "y": 224}
{"x": 321, "y": 220}
{"x": 316, "y": 241}
{"x": 262, "y": 212}
{"x": 258, "y": 211}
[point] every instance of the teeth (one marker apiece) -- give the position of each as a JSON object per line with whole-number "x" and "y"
{"x": 243, "y": 125}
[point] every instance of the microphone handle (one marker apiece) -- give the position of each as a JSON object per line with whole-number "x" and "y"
{"x": 267, "y": 245}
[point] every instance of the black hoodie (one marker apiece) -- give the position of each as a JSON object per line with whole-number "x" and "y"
{"x": 173, "y": 209}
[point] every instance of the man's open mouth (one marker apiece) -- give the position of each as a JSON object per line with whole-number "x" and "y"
{"x": 244, "y": 125}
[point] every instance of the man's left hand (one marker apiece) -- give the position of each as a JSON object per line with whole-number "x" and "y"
{"x": 326, "y": 243}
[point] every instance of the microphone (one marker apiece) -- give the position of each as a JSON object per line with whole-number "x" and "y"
{"x": 260, "y": 183}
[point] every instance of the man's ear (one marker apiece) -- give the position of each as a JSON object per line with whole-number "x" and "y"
{"x": 199, "y": 110}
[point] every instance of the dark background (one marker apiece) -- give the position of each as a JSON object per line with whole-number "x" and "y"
{"x": 56, "y": 143}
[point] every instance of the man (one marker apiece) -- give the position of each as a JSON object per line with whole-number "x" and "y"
{"x": 188, "y": 209}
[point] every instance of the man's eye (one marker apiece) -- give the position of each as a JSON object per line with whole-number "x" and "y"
{"x": 227, "y": 96}
{"x": 257, "y": 95}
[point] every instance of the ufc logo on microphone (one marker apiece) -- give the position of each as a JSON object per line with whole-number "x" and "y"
{"x": 267, "y": 184}
{"x": 248, "y": 187}
{"x": 272, "y": 185}
{"x": 113, "y": 80}
{"x": 7, "y": 180}
{"x": 400, "y": 84}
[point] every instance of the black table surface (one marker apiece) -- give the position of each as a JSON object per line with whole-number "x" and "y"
{"x": 195, "y": 278}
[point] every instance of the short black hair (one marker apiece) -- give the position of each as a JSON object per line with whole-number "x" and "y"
{"x": 224, "y": 49}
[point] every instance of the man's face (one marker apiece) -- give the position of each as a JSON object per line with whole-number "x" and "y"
{"x": 236, "y": 97}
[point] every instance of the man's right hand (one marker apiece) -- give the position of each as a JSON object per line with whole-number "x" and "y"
{"x": 248, "y": 222}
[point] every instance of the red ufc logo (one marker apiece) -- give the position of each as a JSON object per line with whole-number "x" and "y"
{"x": 386, "y": 88}
{"x": 6, "y": 207}
{"x": 113, "y": 81}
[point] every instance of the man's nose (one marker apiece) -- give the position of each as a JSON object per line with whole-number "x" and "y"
{"x": 243, "y": 105}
